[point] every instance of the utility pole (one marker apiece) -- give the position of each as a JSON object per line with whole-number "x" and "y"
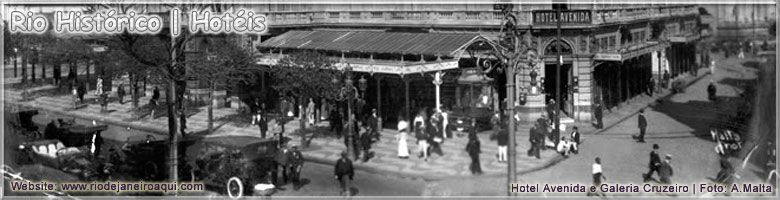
{"x": 559, "y": 59}
{"x": 172, "y": 115}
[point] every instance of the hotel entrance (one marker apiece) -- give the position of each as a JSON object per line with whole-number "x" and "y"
{"x": 565, "y": 87}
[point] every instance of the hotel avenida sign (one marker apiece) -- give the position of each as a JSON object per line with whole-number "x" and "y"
{"x": 567, "y": 17}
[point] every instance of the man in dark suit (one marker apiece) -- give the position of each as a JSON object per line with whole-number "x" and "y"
{"x": 335, "y": 122}
{"x": 365, "y": 144}
{"x": 343, "y": 170}
{"x": 260, "y": 120}
{"x": 667, "y": 78}
{"x": 535, "y": 137}
{"x": 373, "y": 124}
{"x": 473, "y": 148}
{"x": 575, "y": 139}
{"x": 282, "y": 161}
{"x": 655, "y": 163}
{"x": 598, "y": 112}
{"x": 296, "y": 160}
{"x": 642, "y": 126}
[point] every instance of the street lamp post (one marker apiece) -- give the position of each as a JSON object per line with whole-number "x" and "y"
{"x": 513, "y": 56}
{"x": 348, "y": 92}
{"x": 16, "y": 58}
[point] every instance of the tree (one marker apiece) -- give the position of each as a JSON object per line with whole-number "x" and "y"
{"x": 221, "y": 61}
{"x": 60, "y": 51}
{"x": 162, "y": 56}
{"x": 304, "y": 75}
{"x": 8, "y": 41}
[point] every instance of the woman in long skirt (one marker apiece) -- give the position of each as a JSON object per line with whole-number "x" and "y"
{"x": 403, "y": 149}
{"x": 310, "y": 112}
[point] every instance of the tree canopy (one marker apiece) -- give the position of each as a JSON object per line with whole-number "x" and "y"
{"x": 305, "y": 74}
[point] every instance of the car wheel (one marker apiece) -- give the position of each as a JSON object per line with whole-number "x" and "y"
{"x": 235, "y": 188}
{"x": 152, "y": 170}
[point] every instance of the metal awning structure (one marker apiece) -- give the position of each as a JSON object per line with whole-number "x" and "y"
{"x": 684, "y": 38}
{"x": 631, "y": 52}
{"x": 451, "y": 45}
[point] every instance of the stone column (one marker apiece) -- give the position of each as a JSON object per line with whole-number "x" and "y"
{"x": 437, "y": 81}
{"x": 379, "y": 101}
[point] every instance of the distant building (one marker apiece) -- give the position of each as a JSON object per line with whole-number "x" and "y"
{"x": 740, "y": 21}
{"x": 610, "y": 51}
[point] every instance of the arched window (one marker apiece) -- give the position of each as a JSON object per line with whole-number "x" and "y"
{"x": 552, "y": 48}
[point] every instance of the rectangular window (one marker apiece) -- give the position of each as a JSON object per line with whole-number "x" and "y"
{"x": 472, "y": 15}
{"x": 354, "y": 15}
{"x": 612, "y": 42}
{"x": 376, "y": 15}
{"x": 333, "y": 15}
{"x": 397, "y": 15}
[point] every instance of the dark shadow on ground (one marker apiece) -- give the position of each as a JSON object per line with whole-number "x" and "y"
{"x": 701, "y": 116}
{"x": 51, "y": 92}
{"x": 354, "y": 191}
{"x": 161, "y": 108}
{"x": 238, "y": 119}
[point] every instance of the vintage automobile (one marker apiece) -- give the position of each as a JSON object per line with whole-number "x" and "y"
{"x": 77, "y": 160}
{"x": 68, "y": 148}
{"x": 225, "y": 164}
{"x": 22, "y": 121}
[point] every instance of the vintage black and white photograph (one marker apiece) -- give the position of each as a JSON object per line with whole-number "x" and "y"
{"x": 369, "y": 99}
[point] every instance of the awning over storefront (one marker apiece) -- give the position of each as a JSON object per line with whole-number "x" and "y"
{"x": 448, "y": 47}
{"x": 631, "y": 52}
{"x": 378, "y": 66}
{"x": 684, "y": 38}
{"x": 433, "y": 44}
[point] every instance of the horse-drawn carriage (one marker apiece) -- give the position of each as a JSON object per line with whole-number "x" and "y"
{"x": 223, "y": 164}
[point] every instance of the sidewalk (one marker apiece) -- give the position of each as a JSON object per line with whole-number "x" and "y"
{"x": 453, "y": 164}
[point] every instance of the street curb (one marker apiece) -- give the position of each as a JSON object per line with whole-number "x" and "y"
{"x": 598, "y": 131}
{"x": 428, "y": 178}
{"x": 555, "y": 160}
{"x": 377, "y": 171}
{"x": 103, "y": 120}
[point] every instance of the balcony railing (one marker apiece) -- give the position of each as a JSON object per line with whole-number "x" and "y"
{"x": 625, "y": 15}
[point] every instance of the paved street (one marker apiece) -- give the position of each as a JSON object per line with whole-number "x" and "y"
{"x": 318, "y": 177}
{"x": 323, "y": 149}
{"x": 680, "y": 125}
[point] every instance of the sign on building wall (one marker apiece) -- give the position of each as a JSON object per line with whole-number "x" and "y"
{"x": 567, "y": 17}
{"x": 608, "y": 56}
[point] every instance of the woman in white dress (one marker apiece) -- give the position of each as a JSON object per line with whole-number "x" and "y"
{"x": 310, "y": 112}
{"x": 403, "y": 149}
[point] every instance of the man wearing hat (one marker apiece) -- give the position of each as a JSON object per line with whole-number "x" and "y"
{"x": 665, "y": 170}
{"x": 575, "y": 140}
{"x": 655, "y": 163}
{"x": 259, "y": 120}
{"x": 282, "y": 159}
{"x": 373, "y": 124}
{"x": 296, "y": 164}
{"x": 343, "y": 170}
{"x": 642, "y": 126}
{"x": 598, "y": 113}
